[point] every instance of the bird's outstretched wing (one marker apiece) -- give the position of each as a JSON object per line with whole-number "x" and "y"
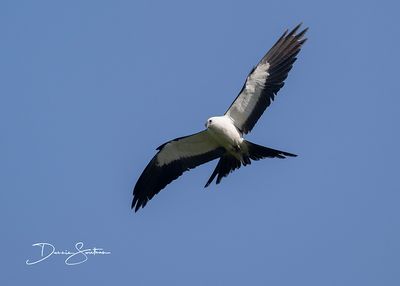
{"x": 265, "y": 80}
{"x": 172, "y": 159}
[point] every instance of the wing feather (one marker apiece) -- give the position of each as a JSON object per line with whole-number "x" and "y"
{"x": 172, "y": 160}
{"x": 265, "y": 80}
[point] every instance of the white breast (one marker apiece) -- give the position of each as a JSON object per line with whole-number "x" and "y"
{"x": 224, "y": 132}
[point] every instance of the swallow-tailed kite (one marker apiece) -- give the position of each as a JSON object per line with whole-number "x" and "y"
{"x": 223, "y": 137}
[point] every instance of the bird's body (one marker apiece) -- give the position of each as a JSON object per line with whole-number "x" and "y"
{"x": 223, "y": 137}
{"x": 225, "y": 133}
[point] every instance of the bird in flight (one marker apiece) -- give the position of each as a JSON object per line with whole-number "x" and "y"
{"x": 223, "y": 137}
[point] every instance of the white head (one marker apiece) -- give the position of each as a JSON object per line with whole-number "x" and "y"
{"x": 210, "y": 121}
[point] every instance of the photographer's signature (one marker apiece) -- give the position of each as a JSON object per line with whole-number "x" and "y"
{"x": 75, "y": 257}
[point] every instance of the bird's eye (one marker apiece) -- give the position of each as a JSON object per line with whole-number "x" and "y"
{"x": 210, "y": 121}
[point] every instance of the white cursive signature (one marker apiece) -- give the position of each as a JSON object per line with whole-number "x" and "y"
{"x": 73, "y": 257}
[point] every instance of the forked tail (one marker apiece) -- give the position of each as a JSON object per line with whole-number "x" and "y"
{"x": 257, "y": 152}
{"x": 228, "y": 163}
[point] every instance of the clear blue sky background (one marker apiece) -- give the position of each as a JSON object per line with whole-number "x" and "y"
{"x": 89, "y": 89}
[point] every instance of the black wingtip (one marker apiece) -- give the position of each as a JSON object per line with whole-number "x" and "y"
{"x": 294, "y": 30}
{"x": 300, "y": 35}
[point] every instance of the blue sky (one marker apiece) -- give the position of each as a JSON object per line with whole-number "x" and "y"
{"x": 89, "y": 89}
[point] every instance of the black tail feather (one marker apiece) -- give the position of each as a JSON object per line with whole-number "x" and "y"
{"x": 257, "y": 152}
{"x": 228, "y": 163}
{"x": 225, "y": 165}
